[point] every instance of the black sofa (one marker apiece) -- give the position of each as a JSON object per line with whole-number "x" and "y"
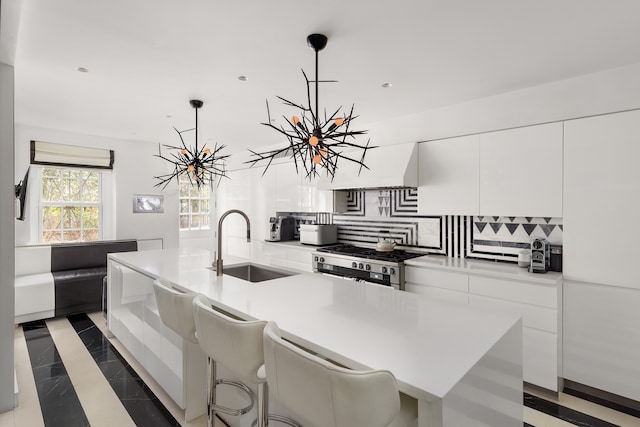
{"x": 78, "y": 271}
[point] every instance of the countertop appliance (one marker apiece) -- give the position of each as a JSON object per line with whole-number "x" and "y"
{"x": 540, "y": 256}
{"x": 318, "y": 234}
{"x": 363, "y": 264}
{"x": 281, "y": 228}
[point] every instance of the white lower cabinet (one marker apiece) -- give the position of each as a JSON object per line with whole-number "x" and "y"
{"x": 541, "y": 364}
{"x": 537, "y": 303}
{"x": 439, "y": 294}
{"x": 134, "y": 319}
{"x": 437, "y": 284}
{"x": 602, "y": 337}
{"x": 296, "y": 257}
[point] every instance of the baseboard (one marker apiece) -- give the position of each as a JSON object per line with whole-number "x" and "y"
{"x": 602, "y": 397}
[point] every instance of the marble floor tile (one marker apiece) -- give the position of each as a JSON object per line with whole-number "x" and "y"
{"x": 101, "y": 405}
{"x": 140, "y": 402}
{"x": 28, "y": 412}
{"x": 592, "y": 409}
{"x": 7, "y": 419}
{"x": 58, "y": 399}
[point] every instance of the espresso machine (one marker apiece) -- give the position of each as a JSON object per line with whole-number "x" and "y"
{"x": 281, "y": 228}
{"x": 540, "y": 256}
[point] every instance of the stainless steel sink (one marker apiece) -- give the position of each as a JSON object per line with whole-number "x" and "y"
{"x": 255, "y": 273}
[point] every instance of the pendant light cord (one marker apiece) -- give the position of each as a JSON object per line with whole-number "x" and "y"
{"x": 316, "y": 113}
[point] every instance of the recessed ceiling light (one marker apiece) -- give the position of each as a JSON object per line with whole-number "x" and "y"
{"x": 82, "y": 70}
{"x": 386, "y": 85}
{"x": 243, "y": 78}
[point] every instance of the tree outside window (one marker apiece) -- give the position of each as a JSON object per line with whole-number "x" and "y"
{"x": 194, "y": 206}
{"x": 70, "y": 205}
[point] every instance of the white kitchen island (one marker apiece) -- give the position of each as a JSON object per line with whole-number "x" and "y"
{"x": 464, "y": 366}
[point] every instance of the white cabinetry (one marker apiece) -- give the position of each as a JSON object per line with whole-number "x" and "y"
{"x": 288, "y": 187}
{"x": 602, "y": 199}
{"x": 521, "y": 171}
{"x": 602, "y": 338}
{"x": 293, "y": 256}
{"x": 440, "y": 285}
{"x": 448, "y": 178}
{"x": 600, "y": 238}
{"x": 539, "y": 305}
{"x": 133, "y": 318}
{"x": 515, "y": 172}
{"x": 250, "y": 192}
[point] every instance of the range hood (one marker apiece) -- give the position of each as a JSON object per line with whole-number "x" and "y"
{"x": 389, "y": 166}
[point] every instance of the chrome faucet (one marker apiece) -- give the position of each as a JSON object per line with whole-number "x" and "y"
{"x": 222, "y": 217}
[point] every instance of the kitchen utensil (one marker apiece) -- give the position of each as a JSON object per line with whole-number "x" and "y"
{"x": 524, "y": 258}
{"x": 385, "y": 244}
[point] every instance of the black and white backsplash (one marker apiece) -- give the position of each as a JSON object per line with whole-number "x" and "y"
{"x": 395, "y": 213}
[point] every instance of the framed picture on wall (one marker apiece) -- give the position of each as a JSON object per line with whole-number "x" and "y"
{"x": 143, "y": 203}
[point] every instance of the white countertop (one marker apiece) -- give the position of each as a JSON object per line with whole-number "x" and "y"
{"x": 485, "y": 268}
{"x": 293, "y": 244}
{"x": 428, "y": 345}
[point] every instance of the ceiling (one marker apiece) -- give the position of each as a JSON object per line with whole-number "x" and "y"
{"x": 147, "y": 58}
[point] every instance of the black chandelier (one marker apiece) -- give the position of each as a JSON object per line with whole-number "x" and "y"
{"x": 315, "y": 143}
{"x": 201, "y": 165}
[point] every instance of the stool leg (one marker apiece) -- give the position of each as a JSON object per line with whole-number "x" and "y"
{"x": 211, "y": 391}
{"x": 263, "y": 405}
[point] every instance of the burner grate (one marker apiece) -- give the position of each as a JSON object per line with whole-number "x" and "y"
{"x": 397, "y": 255}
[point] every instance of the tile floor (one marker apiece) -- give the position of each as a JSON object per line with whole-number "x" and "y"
{"x": 85, "y": 379}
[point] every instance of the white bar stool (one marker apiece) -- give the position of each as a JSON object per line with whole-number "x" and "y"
{"x": 176, "y": 313}
{"x": 237, "y": 345}
{"x": 322, "y": 394}
{"x": 176, "y": 310}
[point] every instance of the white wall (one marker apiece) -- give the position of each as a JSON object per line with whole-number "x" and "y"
{"x": 9, "y": 18}
{"x": 133, "y": 172}
{"x": 591, "y": 94}
{"x": 7, "y": 289}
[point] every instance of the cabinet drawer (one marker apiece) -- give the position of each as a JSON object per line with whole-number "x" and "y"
{"x": 438, "y": 294}
{"x": 540, "y": 358}
{"x": 438, "y": 278}
{"x": 527, "y": 293}
{"x": 533, "y": 316}
{"x": 300, "y": 266}
{"x": 300, "y": 255}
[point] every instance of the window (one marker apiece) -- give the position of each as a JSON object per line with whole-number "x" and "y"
{"x": 194, "y": 205}
{"x": 70, "y": 205}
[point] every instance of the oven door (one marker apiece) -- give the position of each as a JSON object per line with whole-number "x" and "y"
{"x": 354, "y": 274}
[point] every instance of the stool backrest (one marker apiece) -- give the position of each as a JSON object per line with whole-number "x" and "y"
{"x": 234, "y": 343}
{"x": 176, "y": 310}
{"x": 321, "y": 394}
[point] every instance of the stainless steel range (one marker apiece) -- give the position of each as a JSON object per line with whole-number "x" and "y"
{"x": 364, "y": 264}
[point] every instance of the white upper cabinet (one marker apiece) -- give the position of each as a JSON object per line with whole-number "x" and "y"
{"x": 521, "y": 171}
{"x": 288, "y": 187}
{"x": 293, "y": 192}
{"x": 449, "y": 176}
{"x": 602, "y": 199}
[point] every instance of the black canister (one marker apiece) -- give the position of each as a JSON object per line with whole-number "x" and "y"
{"x": 556, "y": 258}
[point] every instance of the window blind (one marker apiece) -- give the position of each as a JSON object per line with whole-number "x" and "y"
{"x": 48, "y": 153}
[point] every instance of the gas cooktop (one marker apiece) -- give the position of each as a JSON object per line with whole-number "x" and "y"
{"x": 396, "y": 255}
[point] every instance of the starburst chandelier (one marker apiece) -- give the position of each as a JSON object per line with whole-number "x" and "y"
{"x": 201, "y": 165}
{"x": 315, "y": 143}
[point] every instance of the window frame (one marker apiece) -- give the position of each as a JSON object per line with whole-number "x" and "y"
{"x": 205, "y": 189}
{"x": 42, "y": 204}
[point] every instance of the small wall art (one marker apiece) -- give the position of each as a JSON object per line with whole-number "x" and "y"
{"x": 148, "y": 203}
